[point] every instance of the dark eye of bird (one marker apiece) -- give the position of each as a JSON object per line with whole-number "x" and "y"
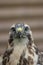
{"x": 26, "y": 28}
{"x": 13, "y": 29}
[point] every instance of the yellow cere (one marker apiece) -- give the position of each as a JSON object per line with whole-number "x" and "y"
{"x": 19, "y": 29}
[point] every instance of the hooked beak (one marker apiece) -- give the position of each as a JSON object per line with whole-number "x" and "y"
{"x": 19, "y": 32}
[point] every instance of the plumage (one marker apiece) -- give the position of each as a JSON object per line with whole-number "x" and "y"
{"x": 21, "y": 48}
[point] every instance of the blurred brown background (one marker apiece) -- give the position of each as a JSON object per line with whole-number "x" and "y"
{"x": 21, "y": 11}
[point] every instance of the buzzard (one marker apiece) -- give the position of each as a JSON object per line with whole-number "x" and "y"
{"x": 21, "y": 48}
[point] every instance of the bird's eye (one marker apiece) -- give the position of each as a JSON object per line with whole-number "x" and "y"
{"x": 26, "y": 28}
{"x": 13, "y": 29}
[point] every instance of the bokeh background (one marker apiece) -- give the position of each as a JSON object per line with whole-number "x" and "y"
{"x": 21, "y": 11}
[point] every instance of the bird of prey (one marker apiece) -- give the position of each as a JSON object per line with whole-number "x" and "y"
{"x": 21, "y": 48}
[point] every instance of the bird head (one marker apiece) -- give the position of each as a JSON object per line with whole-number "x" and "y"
{"x": 20, "y": 30}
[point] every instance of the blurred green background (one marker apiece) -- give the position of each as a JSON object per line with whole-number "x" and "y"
{"x": 21, "y": 11}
